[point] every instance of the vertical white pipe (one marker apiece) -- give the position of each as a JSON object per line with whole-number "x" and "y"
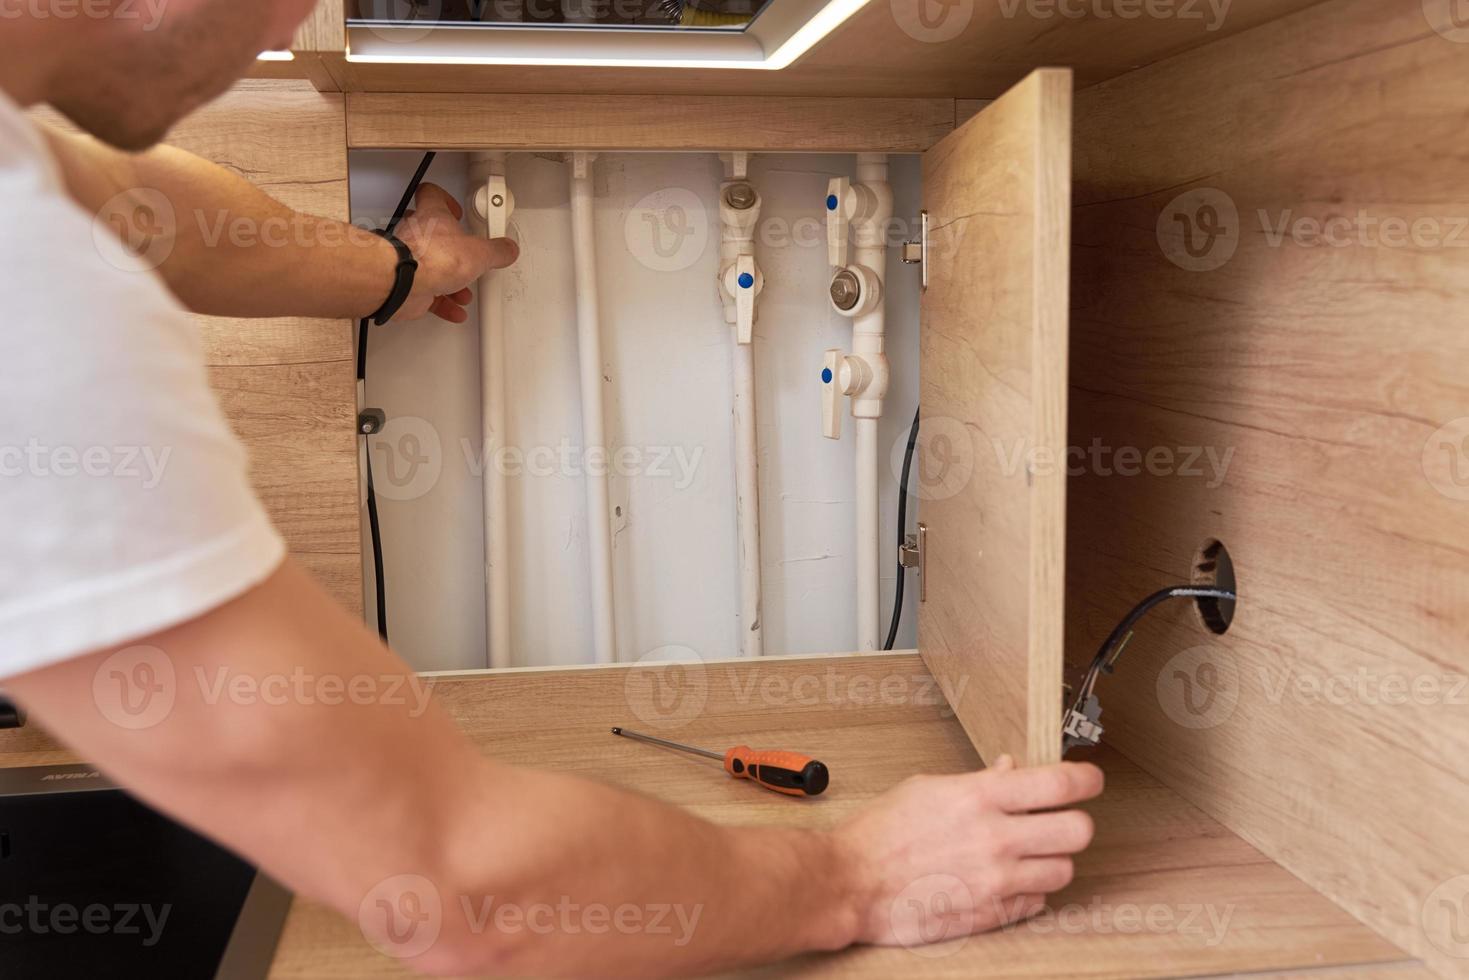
{"x": 869, "y": 598}
{"x": 868, "y": 341}
{"x": 594, "y": 436}
{"x": 747, "y": 490}
{"x": 737, "y": 239}
{"x": 492, "y": 411}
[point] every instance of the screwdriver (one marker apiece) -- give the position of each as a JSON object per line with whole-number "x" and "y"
{"x": 784, "y": 772}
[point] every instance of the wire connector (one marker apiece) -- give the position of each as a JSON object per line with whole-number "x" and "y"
{"x": 1083, "y": 728}
{"x": 1082, "y": 724}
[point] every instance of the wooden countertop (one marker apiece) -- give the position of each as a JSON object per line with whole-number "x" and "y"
{"x": 1165, "y": 891}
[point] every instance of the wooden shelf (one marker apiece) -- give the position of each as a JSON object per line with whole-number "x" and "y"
{"x": 1218, "y": 905}
{"x": 868, "y": 717}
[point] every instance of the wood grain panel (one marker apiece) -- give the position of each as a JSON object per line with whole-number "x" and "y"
{"x": 994, "y": 394}
{"x": 1216, "y": 903}
{"x": 1330, "y": 727}
{"x": 287, "y": 385}
{"x": 324, "y": 29}
{"x": 600, "y": 122}
{"x": 869, "y": 717}
{"x": 920, "y": 48}
{"x": 1405, "y": 970}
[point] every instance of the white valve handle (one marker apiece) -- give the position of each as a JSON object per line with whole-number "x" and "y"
{"x": 838, "y": 220}
{"x": 494, "y": 204}
{"x": 831, "y": 395}
{"x": 746, "y": 285}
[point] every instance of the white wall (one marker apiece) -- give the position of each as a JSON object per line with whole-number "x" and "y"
{"x": 667, "y": 353}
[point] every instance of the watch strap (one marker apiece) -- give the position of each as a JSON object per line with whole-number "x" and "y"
{"x": 403, "y": 276}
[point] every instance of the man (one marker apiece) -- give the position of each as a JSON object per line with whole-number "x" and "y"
{"x": 353, "y": 802}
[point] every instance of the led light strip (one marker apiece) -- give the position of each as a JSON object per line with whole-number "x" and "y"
{"x": 832, "y": 16}
{"x": 734, "y": 51}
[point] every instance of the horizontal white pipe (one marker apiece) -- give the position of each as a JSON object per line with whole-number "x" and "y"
{"x": 594, "y": 436}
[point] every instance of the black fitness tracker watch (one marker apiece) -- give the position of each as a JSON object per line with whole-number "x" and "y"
{"x": 402, "y": 279}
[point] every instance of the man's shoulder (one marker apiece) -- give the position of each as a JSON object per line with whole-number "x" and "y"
{"x": 49, "y": 242}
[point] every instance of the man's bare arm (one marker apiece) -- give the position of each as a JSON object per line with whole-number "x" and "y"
{"x": 378, "y": 800}
{"x": 230, "y": 249}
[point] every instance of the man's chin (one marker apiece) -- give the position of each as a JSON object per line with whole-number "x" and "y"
{"x": 114, "y": 129}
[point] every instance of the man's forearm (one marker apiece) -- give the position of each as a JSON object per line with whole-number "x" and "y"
{"x": 679, "y": 896}
{"x": 221, "y": 244}
{"x": 375, "y": 804}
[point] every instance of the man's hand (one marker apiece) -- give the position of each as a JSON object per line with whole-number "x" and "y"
{"x": 946, "y": 856}
{"x": 449, "y": 258}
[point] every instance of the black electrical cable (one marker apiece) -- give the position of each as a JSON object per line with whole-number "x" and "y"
{"x": 902, "y": 530}
{"x": 1106, "y": 659}
{"x": 379, "y": 586}
{"x": 362, "y": 334}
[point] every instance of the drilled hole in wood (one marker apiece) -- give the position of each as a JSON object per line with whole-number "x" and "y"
{"x": 1213, "y": 568}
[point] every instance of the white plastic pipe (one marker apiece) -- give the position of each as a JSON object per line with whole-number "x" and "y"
{"x": 747, "y": 491}
{"x": 868, "y": 342}
{"x": 492, "y": 412}
{"x": 738, "y": 239}
{"x": 594, "y": 435}
{"x": 869, "y": 593}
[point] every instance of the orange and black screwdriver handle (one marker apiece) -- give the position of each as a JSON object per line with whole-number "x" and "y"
{"x": 790, "y": 773}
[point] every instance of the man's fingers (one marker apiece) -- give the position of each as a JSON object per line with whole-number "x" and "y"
{"x": 1042, "y": 876}
{"x": 1017, "y": 908}
{"x": 432, "y": 196}
{"x": 446, "y": 309}
{"x": 1046, "y": 788}
{"x": 500, "y": 253}
{"x": 463, "y": 296}
{"x": 1066, "y": 832}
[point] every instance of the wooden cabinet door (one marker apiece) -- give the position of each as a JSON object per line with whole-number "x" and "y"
{"x": 991, "y": 467}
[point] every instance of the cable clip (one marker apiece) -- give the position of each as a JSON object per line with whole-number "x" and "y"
{"x": 370, "y": 421}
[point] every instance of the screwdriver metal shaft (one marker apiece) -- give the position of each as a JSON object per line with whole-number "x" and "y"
{"x": 629, "y": 733}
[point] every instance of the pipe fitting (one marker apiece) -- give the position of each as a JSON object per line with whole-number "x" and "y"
{"x": 856, "y": 291}
{"x": 740, "y": 196}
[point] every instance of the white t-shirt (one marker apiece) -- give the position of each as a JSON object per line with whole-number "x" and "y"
{"x": 125, "y": 502}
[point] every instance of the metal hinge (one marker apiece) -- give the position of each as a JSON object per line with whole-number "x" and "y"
{"x": 911, "y": 555}
{"x": 916, "y": 253}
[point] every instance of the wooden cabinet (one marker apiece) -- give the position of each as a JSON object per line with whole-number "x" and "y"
{"x": 994, "y": 350}
{"x": 1310, "y": 393}
{"x": 1330, "y": 375}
